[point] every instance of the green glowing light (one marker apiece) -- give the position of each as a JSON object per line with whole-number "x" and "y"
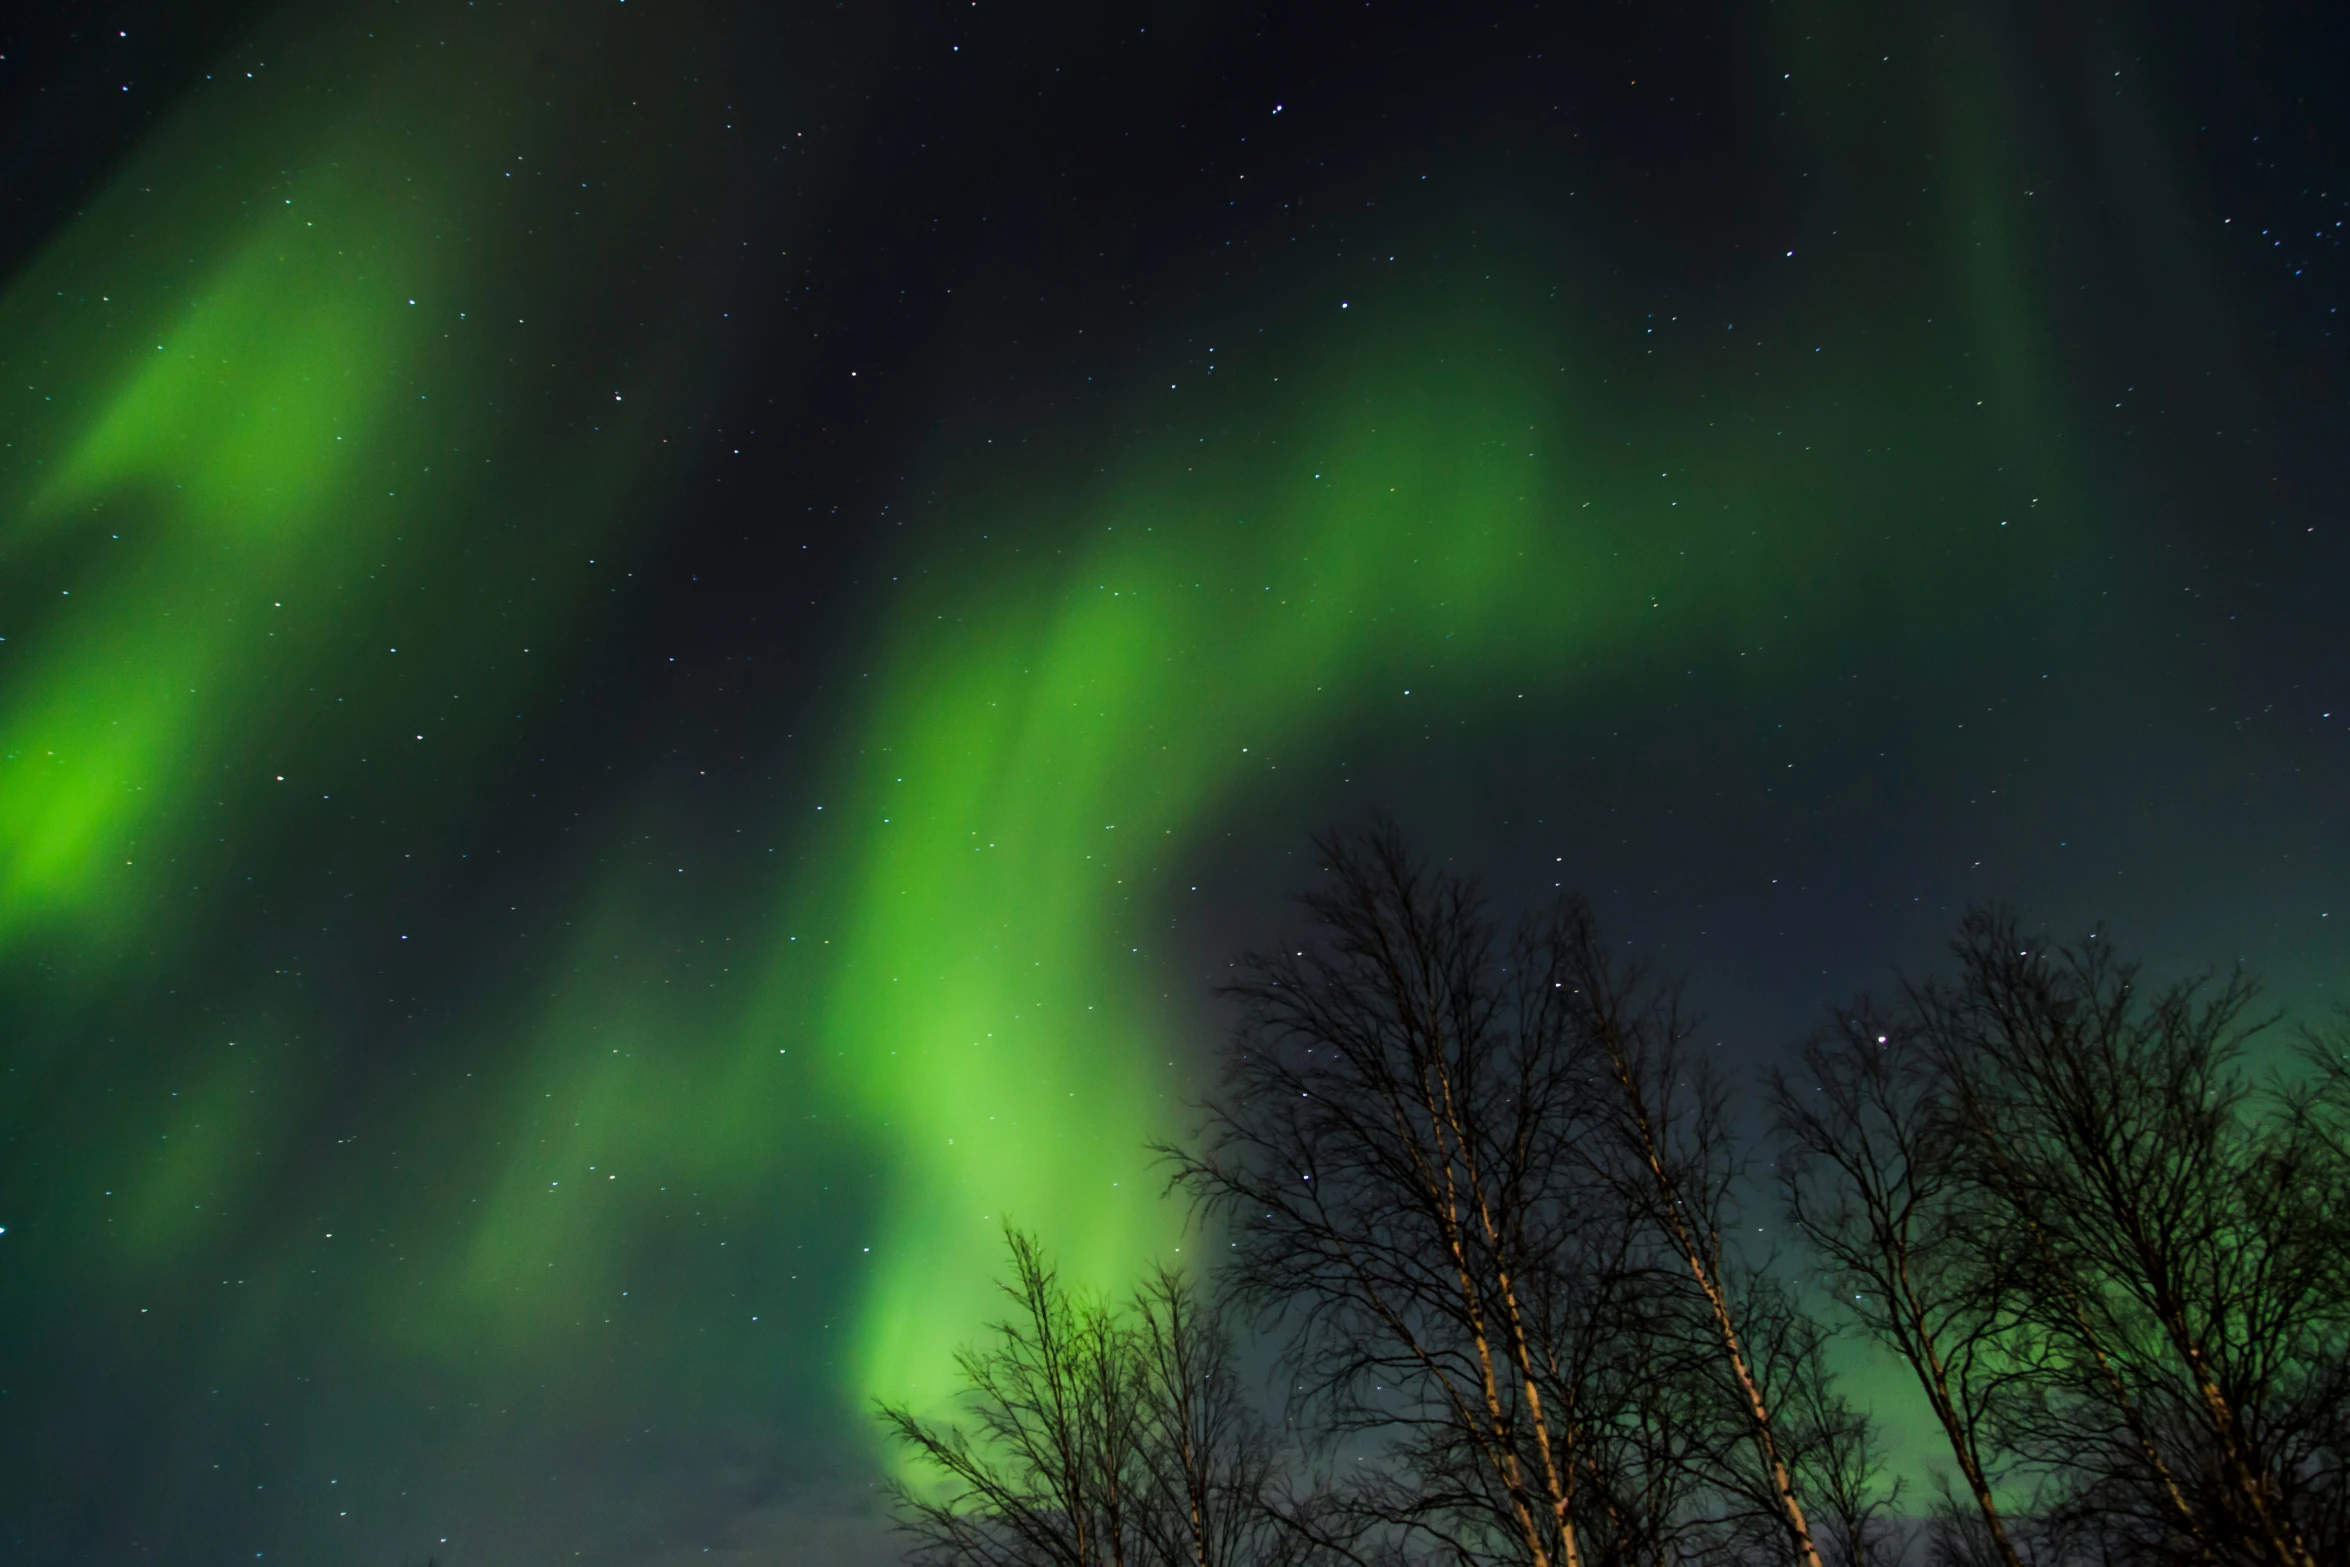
{"x": 1034, "y": 773}
{"x": 231, "y": 448}
{"x": 266, "y": 436}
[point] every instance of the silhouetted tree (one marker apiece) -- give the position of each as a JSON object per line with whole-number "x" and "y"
{"x": 1488, "y": 1197}
{"x": 2183, "y": 1331}
{"x": 1096, "y": 1437}
{"x": 2114, "y": 1264}
{"x": 1670, "y": 1156}
{"x": 1833, "y": 1446}
{"x": 1390, "y": 1150}
{"x": 2317, "y": 1112}
{"x": 1871, "y": 1176}
{"x": 1221, "y": 1493}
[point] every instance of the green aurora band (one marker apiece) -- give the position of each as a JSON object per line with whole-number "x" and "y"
{"x": 1032, "y": 774}
{"x": 234, "y": 442}
{"x": 311, "y": 464}
{"x": 248, "y": 426}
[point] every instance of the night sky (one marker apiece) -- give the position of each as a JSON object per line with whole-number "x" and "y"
{"x": 655, "y": 653}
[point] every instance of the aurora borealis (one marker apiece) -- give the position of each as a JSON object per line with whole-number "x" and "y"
{"x": 654, "y": 654}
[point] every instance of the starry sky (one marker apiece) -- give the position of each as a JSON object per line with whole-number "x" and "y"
{"x": 652, "y": 654}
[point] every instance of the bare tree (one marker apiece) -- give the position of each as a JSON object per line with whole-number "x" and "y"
{"x": 1833, "y": 1447}
{"x": 1049, "y": 1475}
{"x": 1871, "y": 1179}
{"x": 2183, "y": 1338}
{"x": 2315, "y": 1168}
{"x": 1488, "y": 1198}
{"x": 1218, "y": 1484}
{"x": 1097, "y": 1437}
{"x": 1672, "y": 1157}
{"x": 1390, "y": 1155}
